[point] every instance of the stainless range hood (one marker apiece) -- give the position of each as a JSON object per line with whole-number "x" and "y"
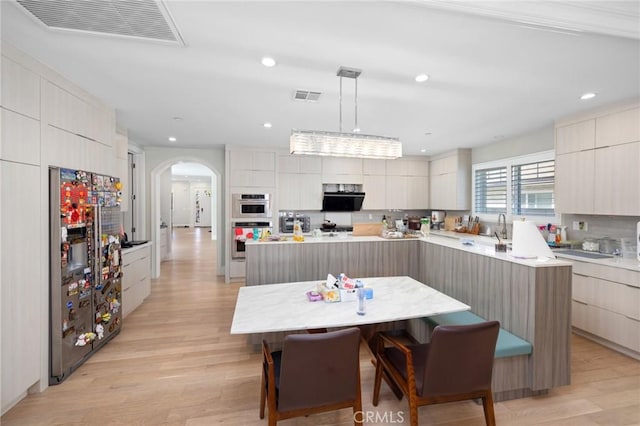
{"x": 342, "y": 201}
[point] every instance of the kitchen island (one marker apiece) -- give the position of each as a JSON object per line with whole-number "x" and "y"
{"x": 531, "y": 298}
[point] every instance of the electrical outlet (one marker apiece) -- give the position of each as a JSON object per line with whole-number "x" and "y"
{"x": 370, "y": 216}
{"x": 580, "y": 226}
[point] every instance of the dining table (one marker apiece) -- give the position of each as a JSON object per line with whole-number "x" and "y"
{"x": 285, "y": 307}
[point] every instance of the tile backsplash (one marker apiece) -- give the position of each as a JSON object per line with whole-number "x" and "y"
{"x": 601, "y": 226}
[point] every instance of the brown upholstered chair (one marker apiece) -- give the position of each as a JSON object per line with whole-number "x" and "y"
{"x": 456, "y": 365}
{"x": 313, "y": 373}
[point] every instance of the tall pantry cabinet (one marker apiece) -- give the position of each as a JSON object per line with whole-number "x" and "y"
{"x": 46, "y": 121}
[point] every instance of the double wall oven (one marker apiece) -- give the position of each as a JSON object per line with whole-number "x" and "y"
{"x": 251, "y": 217}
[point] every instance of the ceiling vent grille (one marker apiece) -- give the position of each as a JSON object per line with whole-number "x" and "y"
{"x": 306, "y": 96}
{"x": 144, "y": 19}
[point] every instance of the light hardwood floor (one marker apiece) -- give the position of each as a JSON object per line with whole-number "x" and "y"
{"x": 175, "y": 363}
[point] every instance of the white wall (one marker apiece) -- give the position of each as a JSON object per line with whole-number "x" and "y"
{"x": 529, "y": 143}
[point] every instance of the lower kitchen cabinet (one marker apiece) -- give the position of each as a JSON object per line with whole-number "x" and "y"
{"x": 606, "y": 304}
{"x": 136, "y": 279}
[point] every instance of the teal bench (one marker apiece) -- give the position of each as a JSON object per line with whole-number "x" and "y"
{"x": 508, "y": 344}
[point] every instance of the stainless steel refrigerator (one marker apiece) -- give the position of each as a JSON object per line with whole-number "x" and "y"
{"x": 85, "y": 267}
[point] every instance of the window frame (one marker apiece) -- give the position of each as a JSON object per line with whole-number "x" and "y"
{"x": 509, "y": 163}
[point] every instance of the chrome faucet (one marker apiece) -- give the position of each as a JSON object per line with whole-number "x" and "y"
{"x": 503, "y": 230}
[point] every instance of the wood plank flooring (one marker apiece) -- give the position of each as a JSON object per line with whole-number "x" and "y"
{"x": 175, "y": 363}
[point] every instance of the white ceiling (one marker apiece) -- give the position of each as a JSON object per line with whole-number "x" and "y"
{"x": 497, "y": 69}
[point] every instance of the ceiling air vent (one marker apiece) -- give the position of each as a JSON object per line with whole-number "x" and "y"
{"x": 306, "y": 96}
{"x": 143, "y": 19}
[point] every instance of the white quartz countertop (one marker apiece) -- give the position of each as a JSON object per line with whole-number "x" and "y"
{"x": 481, "y": 245}
{"x": 615, "y": 262}
{"x": 285, "y": 307}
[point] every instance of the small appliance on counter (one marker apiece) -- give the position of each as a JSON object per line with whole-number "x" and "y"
{"x": 286, "y": 223}
{"x": 437, "y": 219}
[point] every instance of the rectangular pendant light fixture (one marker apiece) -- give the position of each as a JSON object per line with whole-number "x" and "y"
{"x": 338, "y": 144}
{"x": 311, "y": 142}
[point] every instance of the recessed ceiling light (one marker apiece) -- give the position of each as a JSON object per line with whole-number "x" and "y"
{"x": 421, "y": 78}
{"x": 423, "y": 150}
{"x": 172, "y": 139}
{"x": 588, "y": 96}
{"x": 356, "y": 130}
{"x": 267, "y": 125}
{"x": 427, "y": 133}
{"x": 268, "y": 62}
{"x": 178, "y": 118}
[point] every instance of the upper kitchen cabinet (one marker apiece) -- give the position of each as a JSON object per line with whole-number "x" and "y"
{"x": 20, "y": 89}
{"x": 341, "y": 170}
{"x": 618, "y": 128}
{"x": 374, "y": 184}
{"x": 617, "y": 180}
{"x": 407, "y": 167}
{"x": 299, "y": 182}
{"x": 407, "y": 185}
{"x": 20, "y": 140}
{"x": 450, "y": 181}
{"x": 574, "y": 181}
{"x": 66, "y": 108}
{"x": 288, "y": 163}
{"x": 252, "y": 169}
{"x": 575, "y": 137}
{"x": 597, "y": 157}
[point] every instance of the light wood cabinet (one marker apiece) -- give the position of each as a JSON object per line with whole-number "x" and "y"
{"x": 342, "y": 170}
{"x": 617, "y": 180}
{"x": 417, "y": 192}
{"x": 20, "y": 89}
{"x": 136, "y": 277}
{"x": 574, "y": 182}
{"x": 374, "y": 167}
{"x": 407, "y": 167}
{"x": 619, "y": 128}
{"x": 20, "y": 140}
{"x": 450, "y": 181}
{"x": 252, "y": 169}
{"x": 575, "y": 137}
{"x": 65, "y": 110}
{"x": 299, "y": 164}
{"x": 597, "y": 164}
{"x": 299, "y": 182}
{"x": 298, "y": 191}
{"x": 22, "y": 280}
{"x": 397, "y": 192}
{"x": 332, "y": 166}
{"x": 406, "y": 192}
{"x": 375, "y": 190}
{"x": 606, "y": 303}
{"x": 253, "y": 160}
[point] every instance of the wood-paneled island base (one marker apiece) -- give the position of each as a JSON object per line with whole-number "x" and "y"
{"x": 530, "y": 298}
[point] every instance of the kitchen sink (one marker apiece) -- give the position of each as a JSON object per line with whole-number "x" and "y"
{"x": 587, "y": 254}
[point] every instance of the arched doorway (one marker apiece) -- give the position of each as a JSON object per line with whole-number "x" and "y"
{"x": 159, "y": 203}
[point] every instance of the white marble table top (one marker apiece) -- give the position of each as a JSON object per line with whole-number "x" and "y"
{"x": 285, "y": 307}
